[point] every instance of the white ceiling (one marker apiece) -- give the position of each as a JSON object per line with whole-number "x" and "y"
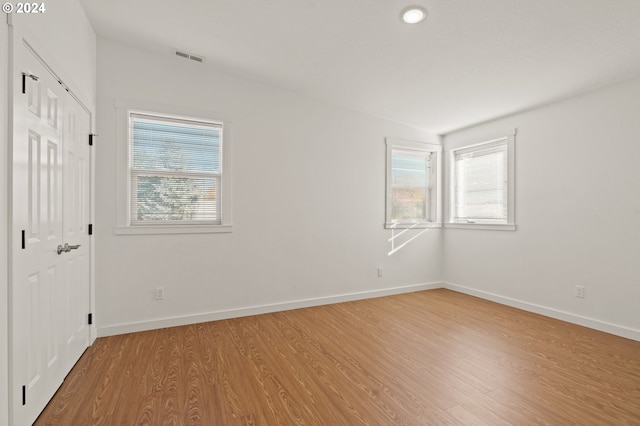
{"x": 468, "y": 62}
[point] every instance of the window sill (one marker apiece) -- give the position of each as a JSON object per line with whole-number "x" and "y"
{"x": 484, "y": 226}
{"x": 172, "y": 229}
{"x": 419, "y": 225}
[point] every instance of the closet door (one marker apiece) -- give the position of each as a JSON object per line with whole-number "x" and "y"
{"x": 50, "y": 252}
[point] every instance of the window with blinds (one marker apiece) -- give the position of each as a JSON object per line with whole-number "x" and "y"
{"x": 413, "y": 185}
{"x": 480, "y": 188}
{"x": 175, "y": 167}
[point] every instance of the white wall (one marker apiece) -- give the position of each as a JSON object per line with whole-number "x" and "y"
{"x": 308, "y": 202}
{"x": 577, "y": 212}
{"x": 65, "y": 39}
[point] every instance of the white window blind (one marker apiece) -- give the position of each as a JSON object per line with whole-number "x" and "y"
{"x": 481, "y": 183}
{"x": 175, "y": 170}
{"x": 409, "y": 185}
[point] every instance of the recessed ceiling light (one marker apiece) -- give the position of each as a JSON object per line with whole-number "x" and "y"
{"x": 414, "y": 14}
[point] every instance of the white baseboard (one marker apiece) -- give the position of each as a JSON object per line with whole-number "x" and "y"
{"x": 123, "y": 328}
{"x": 618, "y": 330}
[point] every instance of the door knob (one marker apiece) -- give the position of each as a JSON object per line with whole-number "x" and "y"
{"x": 66, "y": 248}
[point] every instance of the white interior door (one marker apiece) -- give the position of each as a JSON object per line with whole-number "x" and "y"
{"x": 75, "y": 219}
{"x": 49, "y": 288}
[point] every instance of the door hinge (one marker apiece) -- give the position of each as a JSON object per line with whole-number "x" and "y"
{"x": 24, "y": 80}
{"x": 24, "y": 395}
{"x": 91, "y": 136}
{"x": 90, "y": 319}
{"x": 91, "y": 229}
{"x": 24, "y": 239}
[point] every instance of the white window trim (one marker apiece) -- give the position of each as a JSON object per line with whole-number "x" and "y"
{"x": 435, "y": 210}
{"x": 488, "y": 224}
{"x": 123, "y": 224}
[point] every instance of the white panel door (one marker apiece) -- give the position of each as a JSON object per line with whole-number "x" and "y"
{"x": 75, "y": 219}
{"x": 49, "y": 289}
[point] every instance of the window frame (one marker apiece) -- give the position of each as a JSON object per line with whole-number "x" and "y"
{"x": 124, "y": 223}
{"x": 433, "y": 189}
{"x": 509, "y": 223}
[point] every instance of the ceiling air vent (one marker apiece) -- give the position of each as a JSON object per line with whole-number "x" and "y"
{"x": 191, "y": 56}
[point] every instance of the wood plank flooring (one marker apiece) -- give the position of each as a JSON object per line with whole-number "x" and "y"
{"x": 433, "y": 357}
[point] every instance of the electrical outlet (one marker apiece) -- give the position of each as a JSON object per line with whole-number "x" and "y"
{"x": 379, "y": 272}
{"x": 580, "y": 291}
{"x": 159, "y": 293}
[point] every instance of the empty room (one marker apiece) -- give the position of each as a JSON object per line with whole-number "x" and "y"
{"x": 320, "y": 212}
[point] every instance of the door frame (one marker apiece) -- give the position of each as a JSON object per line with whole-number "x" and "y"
{"x": 19, "y": 37}
{"x": 4, "y": 221}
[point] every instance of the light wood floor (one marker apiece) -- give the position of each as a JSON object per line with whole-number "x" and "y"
{"x": 433, "y": 357}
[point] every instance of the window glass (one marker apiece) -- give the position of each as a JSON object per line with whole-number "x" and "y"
{"x": 481, "y": 184}
{"x": 175, "y": 170}
{"x": 409, "y": 185}
{"x": 413, "y": 184}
